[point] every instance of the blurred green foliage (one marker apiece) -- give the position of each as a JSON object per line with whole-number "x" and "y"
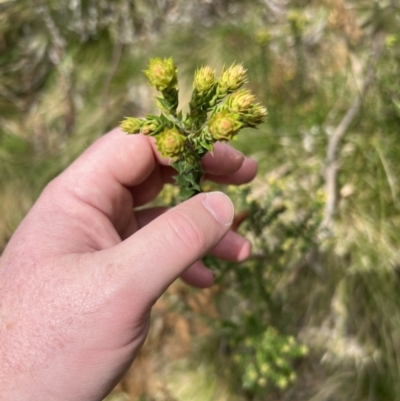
{"x": 70, "y": 70}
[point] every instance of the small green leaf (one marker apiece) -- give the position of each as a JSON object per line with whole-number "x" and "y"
{"x": 162, "y": 104}
{"x": 208, "y": 146}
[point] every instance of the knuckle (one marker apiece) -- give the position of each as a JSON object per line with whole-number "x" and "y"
{"x": 186, "y": 232}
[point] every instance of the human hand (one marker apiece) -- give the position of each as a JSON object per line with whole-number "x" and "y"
{"x": 81, "y": 273}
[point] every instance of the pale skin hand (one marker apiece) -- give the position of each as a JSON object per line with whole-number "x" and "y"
{"x": 80, "y": 275}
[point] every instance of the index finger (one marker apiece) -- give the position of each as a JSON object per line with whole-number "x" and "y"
{"x": 102, "y": 175}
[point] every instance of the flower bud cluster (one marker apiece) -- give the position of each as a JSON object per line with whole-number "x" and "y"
{"x": 153, "y": 125}
{"x": 242, "y": 102}
{"x": 232, "y": 79}
{"x": 204, "y": 80}
{"x": 224, "y": 125}
{"x": 218, "y": 110}
{"x": 208, "y": 91}
{"x": 204, "y": 88}
{"x": 131, "y": 125}
{"x": 171, "y": 143}
{"x": 162, "y": 74}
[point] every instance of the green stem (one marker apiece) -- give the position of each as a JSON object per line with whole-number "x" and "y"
{"x": 189, "y": 177}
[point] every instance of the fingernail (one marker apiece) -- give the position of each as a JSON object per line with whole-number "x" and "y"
{"x": 220, "y": 206}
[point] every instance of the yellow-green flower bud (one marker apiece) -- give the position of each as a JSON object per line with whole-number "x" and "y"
{"x": 254, "y": 115}
{"x": 282, "y": 382}
{"x": 391, "y": 40}
{"x": 131, "y": 125}
{"x": 204, "y": 79}
{"x": 171, "y": 143}
{"x": 257, "y": 114}
{"x": 297, "y": 19}
{"x": 162, "y": 73}
{"x": 232, "y": 78}
{"x": 263, "y": 36}
{"x": 151, "y": 127}
{"x": 224, "y": 125}
{"x": 240, "y": 101}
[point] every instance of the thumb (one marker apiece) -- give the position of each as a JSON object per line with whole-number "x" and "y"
{"x": 152, "y": 258}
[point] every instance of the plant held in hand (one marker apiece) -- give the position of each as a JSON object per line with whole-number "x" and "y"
{"x": 218, "y": 110}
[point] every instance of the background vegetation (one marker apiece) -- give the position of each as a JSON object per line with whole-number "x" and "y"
{"x": 315, "y": 313}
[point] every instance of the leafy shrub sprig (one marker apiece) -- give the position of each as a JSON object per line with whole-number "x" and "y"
{"x": 219, "y": 108}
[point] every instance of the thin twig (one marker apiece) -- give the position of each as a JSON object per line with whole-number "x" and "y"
{"x": 56, "y": 55}
{"x": 331, "y": 171}
{"x": 332, "y": 155}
